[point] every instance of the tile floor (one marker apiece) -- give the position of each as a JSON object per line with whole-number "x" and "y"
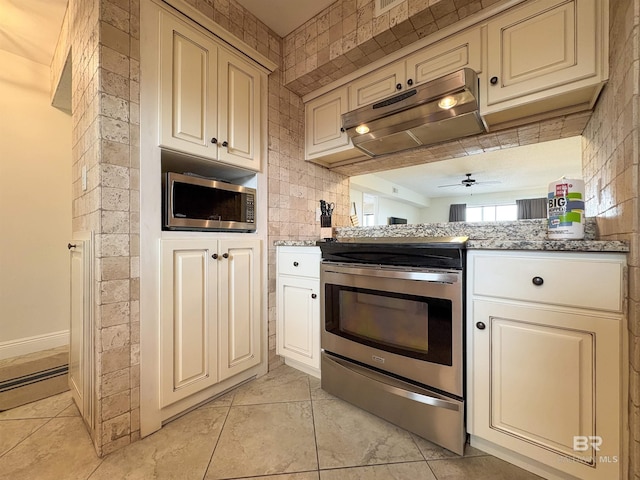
{"x": 279, "y": 427}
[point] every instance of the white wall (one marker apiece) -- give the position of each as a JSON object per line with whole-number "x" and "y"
{"x": 386, "y": 207}
{"x": 438, "y": 209}
{"x": 35, "y": 203}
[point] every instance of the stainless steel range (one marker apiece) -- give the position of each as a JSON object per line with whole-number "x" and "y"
{"x": 392, "y": 336}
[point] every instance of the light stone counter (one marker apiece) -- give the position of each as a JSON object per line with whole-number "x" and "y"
{"x": 515, "y": 235}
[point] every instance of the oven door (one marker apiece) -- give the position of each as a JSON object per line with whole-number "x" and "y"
{"x": 404, "y": 321}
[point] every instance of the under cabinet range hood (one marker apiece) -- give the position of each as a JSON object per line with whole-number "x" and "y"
{"x": 437, "y": 111}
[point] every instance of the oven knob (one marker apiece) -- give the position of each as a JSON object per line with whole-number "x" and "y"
{"x": 537, "y": 281}
{"x": 481, "y": 325}
{"x": 313, "y": 295}
{"x": 295, "y": 264}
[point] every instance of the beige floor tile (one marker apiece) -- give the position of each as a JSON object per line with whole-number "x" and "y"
{"x": 12, "y": 432}
{"x": 70, "y": 411}
{"x": 348, "y": 436}
{"x": 45, "y": 408}
{"x": 60, "y": 449}
{"x": 265, "y": 439}
{"x": 283, "y": 384}
{"x": 478, "y": 468}
{"x": 431, "y": 451}
{"x": 395, "y": 471}
{"x": 287, "y": 476}
{"x": 180, "y": 450}
{"x": 316, "y": 390}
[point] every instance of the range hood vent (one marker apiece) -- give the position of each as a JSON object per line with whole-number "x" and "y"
{"x": 437, "y": 111}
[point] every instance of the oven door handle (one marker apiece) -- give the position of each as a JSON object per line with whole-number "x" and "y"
{"x": 384, "y": 383}
{"x": 439, "y": 277}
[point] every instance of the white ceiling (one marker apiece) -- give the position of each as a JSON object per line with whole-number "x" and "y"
{"x": 284, "y": 16}
{"x": 30, "y": 28}
{"x": 520, "y": 168}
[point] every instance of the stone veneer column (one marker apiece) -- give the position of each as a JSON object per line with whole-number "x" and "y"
{"x": 104, "y": 40}
{"x": 610, "y": 167}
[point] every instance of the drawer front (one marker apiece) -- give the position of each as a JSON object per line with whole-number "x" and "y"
{"x": 573, "y": 282}
{"x": 299, "y": 263}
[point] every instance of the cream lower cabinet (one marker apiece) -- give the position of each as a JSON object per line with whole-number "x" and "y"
{"x": 210, "y": 313}
{"x": 545, "y": 361}
{"x": 210, "y": 98}
{"x": 298, "y": 307}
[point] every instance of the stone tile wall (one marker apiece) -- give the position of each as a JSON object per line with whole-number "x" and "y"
{"x": 346, "y": 36}
{"x": 104, "y": 39}
{"x": 611, "y": 173}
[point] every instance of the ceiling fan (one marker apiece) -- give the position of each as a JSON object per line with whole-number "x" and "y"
{"x": 469, "y": 182}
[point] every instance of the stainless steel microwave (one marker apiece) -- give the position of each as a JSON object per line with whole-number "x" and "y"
{"x": 192, "y": 202}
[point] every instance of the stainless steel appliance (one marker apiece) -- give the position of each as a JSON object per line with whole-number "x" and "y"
{"x": 392, "y": 336}
{"x": 192, "y": 202}
{"x": 436, "y": 111}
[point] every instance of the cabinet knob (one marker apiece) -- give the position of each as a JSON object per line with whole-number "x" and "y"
{"x": 410, "y": 82}
{"x": 537, "y": 281}
{"x": 225, "y": 144}
{"x": 313, "y": 295}
{"x": 225, "y": 255}
{"x": 214, "y": 140}
{"x": 295, "y": 264}
{"x": 399, "y": 86}
{"x": 481, "y": 325}
{"x": 71, "y": 245}
{"x": 493, "y": 80}
{"x": 342, "y": 129}
{"x": 214, "y": 256}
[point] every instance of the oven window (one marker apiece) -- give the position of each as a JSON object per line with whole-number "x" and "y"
{"x": 409, "y": 325}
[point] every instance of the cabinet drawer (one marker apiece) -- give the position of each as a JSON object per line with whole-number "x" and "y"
{"x": 304, "y": 264}
{"x": 570, "y": 281}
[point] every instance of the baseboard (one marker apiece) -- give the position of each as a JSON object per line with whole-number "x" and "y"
{"x": 27, "y": 345}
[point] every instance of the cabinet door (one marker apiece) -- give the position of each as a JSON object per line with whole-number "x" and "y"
{"x": 377, "y": 85}
{"x": 188, "y": 66}
{"x": 543, "y": 44}
{"x": 447, "y": 56}
{"x": 323, "y": 124}
{"x": 298, "y": 329}
{"x": 541, "y": 379}
{"x": 239, "y": 289}
{"x": 188, "y": 320}
{"x": 239, "y": 90}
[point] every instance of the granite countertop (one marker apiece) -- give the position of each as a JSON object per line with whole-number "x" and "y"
{"x": 516, "y": 235}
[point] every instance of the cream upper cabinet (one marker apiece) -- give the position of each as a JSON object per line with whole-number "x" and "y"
{"x": 324, "y": 135}
{"x": 210, "y": 98}
{"x": 545, "y": 352}
{"x": 377, "y": 85}
{"x": 188, "y": 97}
{"x": 239, "y": 93}
{"x": 210, "y": 325}
{"x": 543, "y": 49}
{"x": 453, "y": 53}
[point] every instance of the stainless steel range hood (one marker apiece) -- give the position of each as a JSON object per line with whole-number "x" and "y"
{"x": 437, "y": 111}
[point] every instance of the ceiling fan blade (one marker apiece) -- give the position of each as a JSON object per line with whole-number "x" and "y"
{"x": 489, "y": 182}
{"x": 451, "y": 185}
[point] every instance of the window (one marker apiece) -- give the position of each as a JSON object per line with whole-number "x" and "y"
{"x": 492, "y": 213}
{"x": 369, "y": 207}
